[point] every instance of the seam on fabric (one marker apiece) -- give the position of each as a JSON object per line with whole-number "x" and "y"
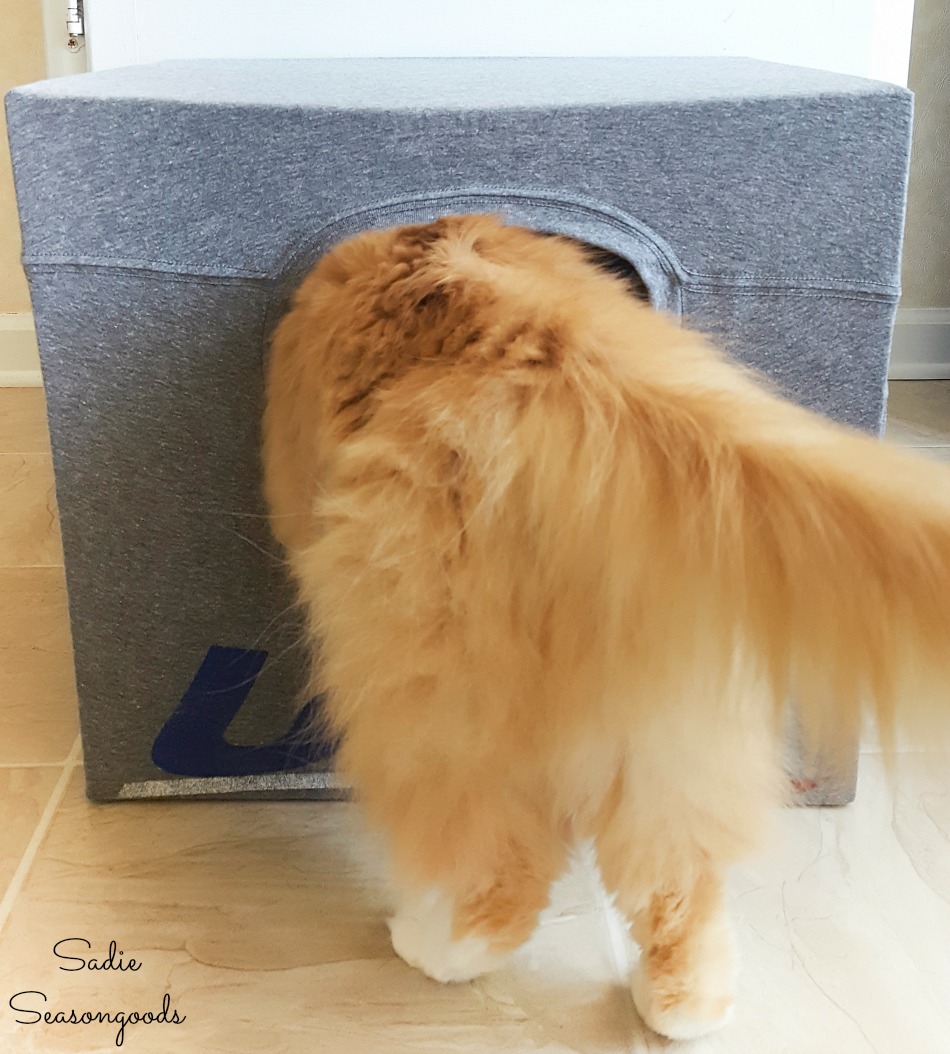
{"x": 500, "y": 196}
{"x": 150, "y": 274}
{"x": 800, "y": 293}
{"x": 678, "y": 275}
{"x": 308, "y": 246}
{"x": 801, "y": 281}
{"x": 734, "y": 284}
{"x": 121, "y": 263}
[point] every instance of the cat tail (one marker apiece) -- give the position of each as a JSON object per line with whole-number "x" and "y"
{"x": 736, "y": 529}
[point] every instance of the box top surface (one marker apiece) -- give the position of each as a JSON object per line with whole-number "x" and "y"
{"x": 455, "y": 83}
{"x": 738, "y": 170}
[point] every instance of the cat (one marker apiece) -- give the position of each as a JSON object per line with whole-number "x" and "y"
{"x": 563, "y": 563}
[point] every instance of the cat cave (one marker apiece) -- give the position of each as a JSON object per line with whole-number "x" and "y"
{"x": 168, "y": 211}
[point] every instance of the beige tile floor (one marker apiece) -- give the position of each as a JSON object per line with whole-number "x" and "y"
{"x": 265, "y": 921}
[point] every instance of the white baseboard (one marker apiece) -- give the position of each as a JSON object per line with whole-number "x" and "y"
{"x": 921, "y": 347}
{"x": 19, "y": 357}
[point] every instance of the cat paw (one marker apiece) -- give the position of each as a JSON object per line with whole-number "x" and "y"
{"x": 679, "y": 1014}
{"x": 422, "y": 937}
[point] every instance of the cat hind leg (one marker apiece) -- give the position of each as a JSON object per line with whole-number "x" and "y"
{"x": 664, "y": 859}
{"x": 424, "y": 936}
{"x": 455, "y": 935}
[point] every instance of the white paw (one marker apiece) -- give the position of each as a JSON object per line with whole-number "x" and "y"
{"x": 686, "y": 1016}
{"x": 422, "y": 936}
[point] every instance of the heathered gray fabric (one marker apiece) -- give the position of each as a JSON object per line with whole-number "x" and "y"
{"x": 168, "y": 210}
{"x": 768, "y": 187}
{"x": 459, "y": 83}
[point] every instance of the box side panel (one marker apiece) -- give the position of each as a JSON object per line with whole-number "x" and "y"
{"x": 828, "y": 353}
{"x": 154, "y": 390}
{"x": 825, "y": 350}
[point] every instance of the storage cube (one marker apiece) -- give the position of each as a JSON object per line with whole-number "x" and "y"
{"x": 168, "y": 210}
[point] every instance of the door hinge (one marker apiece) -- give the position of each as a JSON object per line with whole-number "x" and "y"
{"x": 75, "y": 25}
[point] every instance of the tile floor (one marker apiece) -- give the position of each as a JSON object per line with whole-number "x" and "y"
{"x": 265, "y": 921}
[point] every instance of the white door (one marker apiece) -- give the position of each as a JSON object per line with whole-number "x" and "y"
{"x": 869, "y": 38}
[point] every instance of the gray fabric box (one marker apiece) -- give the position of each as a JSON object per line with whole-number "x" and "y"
{"x": 167, "y": 211}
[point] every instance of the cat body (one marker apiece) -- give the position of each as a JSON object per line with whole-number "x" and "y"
{"x": 562, "y": 564}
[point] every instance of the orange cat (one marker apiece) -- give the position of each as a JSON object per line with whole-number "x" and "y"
{"x": 563, "y": 564}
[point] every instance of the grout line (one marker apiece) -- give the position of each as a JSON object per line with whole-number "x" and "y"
{"x": 619, "y": 957}
{"x": 33, "y": 764}
{"x": 609, "y": 917}
{"x": 939, "y": 439}
{"x": 39, "y": 833}
{"x": 618, "y": 947}
{"x": 29, "y": 567}
{"x": 873, "y": 748}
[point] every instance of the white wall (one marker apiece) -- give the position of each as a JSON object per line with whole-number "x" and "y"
{"x": 869, "y": 38}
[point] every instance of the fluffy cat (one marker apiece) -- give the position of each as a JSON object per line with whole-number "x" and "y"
{"x": 563, "y": 564}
